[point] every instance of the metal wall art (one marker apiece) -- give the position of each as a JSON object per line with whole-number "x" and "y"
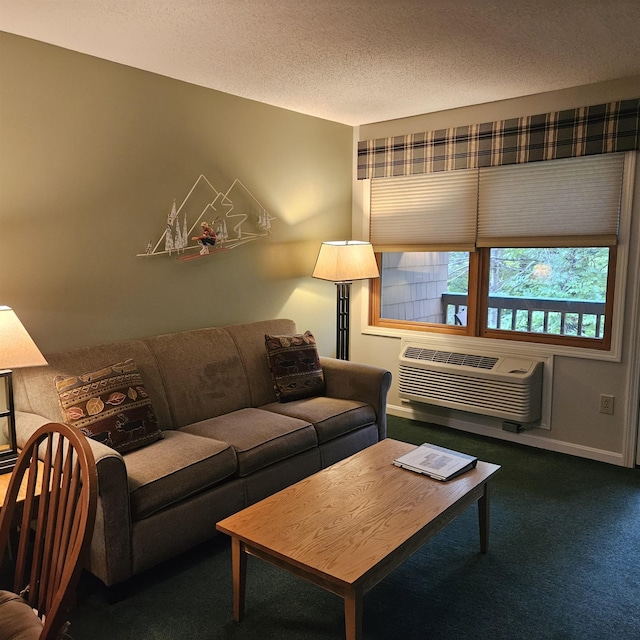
{"x": 209, "y": 221}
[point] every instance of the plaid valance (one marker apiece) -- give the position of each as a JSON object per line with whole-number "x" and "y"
{"x": 603, "y": 128}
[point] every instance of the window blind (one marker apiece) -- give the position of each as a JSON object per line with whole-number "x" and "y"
{"x": 426, "y": 212}
{"x": 569, "y": 202}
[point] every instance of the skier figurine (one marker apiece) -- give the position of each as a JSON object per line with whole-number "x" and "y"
{"x": 206, "y": 239}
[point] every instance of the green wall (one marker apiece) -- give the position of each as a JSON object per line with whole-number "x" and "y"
{"x": 92, "y": 156}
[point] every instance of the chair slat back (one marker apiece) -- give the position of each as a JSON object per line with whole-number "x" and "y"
{"x": 57, "y": 520}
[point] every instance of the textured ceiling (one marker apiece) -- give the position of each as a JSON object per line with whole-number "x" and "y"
{"x": 351, "y": 61}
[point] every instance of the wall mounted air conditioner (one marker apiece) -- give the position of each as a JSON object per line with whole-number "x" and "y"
{"x": 508, "y": 387}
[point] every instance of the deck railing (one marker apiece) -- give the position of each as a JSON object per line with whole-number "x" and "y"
{"x": 558, "y": 317}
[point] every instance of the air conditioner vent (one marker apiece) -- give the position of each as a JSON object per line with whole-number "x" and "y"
{"x": 450, "y": 357}
{"x": 506, "y": 386}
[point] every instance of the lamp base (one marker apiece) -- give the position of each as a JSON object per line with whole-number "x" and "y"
{"x": 343, "y": 293}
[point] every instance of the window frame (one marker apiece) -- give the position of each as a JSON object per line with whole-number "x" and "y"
{"x": 375, "y": 299}
{"x": 603, "y": 343}
{"x": 478, "y": 305}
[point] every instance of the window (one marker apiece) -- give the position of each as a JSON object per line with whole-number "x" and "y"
{"x": 554, "y": 291}
{"x": 539, "y": 264}
{"x": 425, "y": 287}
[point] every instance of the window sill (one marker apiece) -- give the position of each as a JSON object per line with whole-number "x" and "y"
{"x": 449, "y": 341}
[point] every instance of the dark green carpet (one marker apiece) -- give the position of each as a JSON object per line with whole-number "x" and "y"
{"x": 563, "y": 563}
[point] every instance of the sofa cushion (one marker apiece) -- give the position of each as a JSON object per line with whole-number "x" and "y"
{"x": 331, "y": 417}
{"x": 178, "y": 466}
{"x": 202, "y": 372}
{"x": 259, "y": 438}
{"x": 295, "y": 366}
{"x": 249, "y": 341}
{"x": 18, "y": 621}
{"x": 110, "y": 405}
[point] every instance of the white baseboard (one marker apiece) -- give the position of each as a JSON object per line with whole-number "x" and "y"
{"x": 524, "y": 437}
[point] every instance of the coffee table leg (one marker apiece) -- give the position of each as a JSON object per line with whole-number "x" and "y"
{"x": 239, "y": 565}
{"x": 353, "y": 614}
{"x": 483, "y": 518}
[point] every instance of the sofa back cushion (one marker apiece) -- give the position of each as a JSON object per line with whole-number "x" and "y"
{"x": 249, "y": 341}
{"x": 190, "y": 375}
{"x": 35, "y": 389}
{"x": 202, "y": 372}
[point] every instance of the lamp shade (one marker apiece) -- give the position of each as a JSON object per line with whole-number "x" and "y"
{"x": 17, "y": 349}
{"x": 345, "y": 261}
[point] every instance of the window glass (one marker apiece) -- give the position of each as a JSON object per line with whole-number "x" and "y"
{"x": 429, "y": 287}
{"x": 557, "y": 291}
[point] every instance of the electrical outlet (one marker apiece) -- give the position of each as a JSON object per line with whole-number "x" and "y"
{"x": 606, "y": 404}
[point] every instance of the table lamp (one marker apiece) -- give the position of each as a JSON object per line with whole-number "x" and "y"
{"x": 17, "y": 349}
{"x": 342, "y": 262}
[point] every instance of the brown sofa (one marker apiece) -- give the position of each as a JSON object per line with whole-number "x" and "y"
{"x": 227, "y": 441}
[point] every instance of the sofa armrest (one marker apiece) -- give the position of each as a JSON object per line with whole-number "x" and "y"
{"x": 27, "y": 424}
{"x": 110, "y": 556}
{"x": 355, "y": 381}
{"x": 110, "y": 553}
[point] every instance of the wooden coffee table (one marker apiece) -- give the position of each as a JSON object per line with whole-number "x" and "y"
{"x": 347, "y": 527}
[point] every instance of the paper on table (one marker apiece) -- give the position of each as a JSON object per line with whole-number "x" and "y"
{"x": 437, "y": 462}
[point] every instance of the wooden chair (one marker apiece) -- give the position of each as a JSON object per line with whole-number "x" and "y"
{"x": 56, "y": 474}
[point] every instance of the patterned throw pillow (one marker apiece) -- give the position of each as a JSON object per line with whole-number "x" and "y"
{"x": 110, "y": 405}
{"x": 295, "y": 366}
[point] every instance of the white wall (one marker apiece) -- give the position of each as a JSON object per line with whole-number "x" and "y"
{"x": 575, "y": 424}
